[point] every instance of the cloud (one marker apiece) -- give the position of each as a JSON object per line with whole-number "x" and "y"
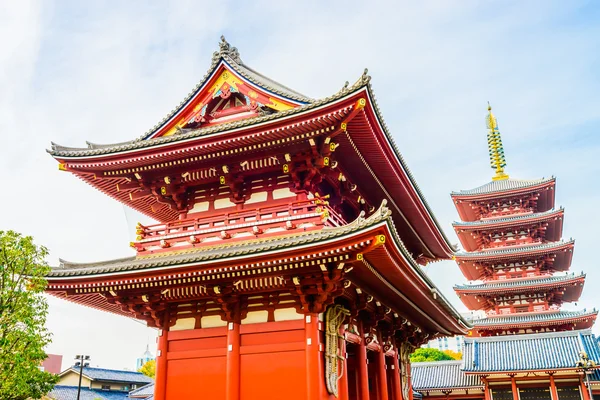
{"x": 108, "y": 71}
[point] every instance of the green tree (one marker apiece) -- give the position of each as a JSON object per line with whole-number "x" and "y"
{"x": 23, "y": 311}
{"x": 149, "y": 368}
{"x": 426, "y": 355}
{"x": 456, "y": 355}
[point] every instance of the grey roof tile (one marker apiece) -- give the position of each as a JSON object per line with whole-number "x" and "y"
{"x": 532, "y": 317}
{"x": 500, "y": 186}
{"x": 510, "y": 283}
{"x": 540, "y": 351}
{"x": 442, "y": 375}
{"x": 512, "y": 250}
{"x": 516, "y": 218}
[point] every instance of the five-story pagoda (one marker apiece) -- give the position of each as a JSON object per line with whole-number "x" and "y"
{"x": 512, "y": 236}
{"x": 286, "y": 261}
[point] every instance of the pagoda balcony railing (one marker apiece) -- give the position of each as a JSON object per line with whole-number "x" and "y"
{"x": 506, "y": 212}
{"x": 234, "y": 225}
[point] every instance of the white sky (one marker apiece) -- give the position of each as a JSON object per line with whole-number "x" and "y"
{"x": 107, "y": 71}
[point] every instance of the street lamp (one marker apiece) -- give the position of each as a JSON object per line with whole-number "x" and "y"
{"x": 587, "y": 366}
{"x": 83, "y": 362}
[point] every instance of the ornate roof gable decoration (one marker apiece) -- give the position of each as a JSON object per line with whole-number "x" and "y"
{"x": 227, "y": 50}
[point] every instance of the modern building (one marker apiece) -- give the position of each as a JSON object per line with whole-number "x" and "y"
{"x": 526, "y": 347}
{"x": 53, "y": 363}
{"x": 98, "y": 384}
{"x": 288, "y": 250}
{"x": 147, "y": 356}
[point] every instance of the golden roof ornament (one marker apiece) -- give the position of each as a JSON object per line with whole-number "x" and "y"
{"x": 497, "y": 159}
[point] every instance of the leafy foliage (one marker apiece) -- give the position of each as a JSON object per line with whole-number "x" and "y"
{"x": 23, "y": 311}
{"x": 426, "y": 355}
{"x": 149, "y": 368}
{"x": 454, "y": 354}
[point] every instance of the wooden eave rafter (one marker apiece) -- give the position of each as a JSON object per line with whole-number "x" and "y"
{"x": 439, "y": 317}
{"x": 426, "y": 238}
{"x": 463, "y": 202}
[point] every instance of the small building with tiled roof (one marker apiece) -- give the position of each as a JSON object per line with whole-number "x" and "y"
{"x": 102, "y": 383}
{"x": 528, "y": 364}
{"x": 145, "y": 392}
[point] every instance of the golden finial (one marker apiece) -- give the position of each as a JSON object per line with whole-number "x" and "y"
{"x": 497, "y": 160}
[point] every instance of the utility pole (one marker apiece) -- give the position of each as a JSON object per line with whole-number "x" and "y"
{"x": 83, "y": 362}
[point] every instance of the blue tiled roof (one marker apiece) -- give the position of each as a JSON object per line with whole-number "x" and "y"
{"x": 70, "y": 393}
{"x": 101, "y": 374}
{"x": 512, "y": 250}
{"x": 440, "y": 375}
{"x": 539, "y": 351}
{"x": 144, "y": 392}
{"x": 533, "y": 317}
{"x": 514, "y": 218}
{"x": 510, "y": 283}
{"x": 507, "y": 184}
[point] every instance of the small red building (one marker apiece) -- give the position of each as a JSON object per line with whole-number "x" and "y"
{"x": 286, "y": 258}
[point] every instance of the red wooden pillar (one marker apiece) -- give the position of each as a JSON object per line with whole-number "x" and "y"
{"x": 160, "y": 380}
{"x": 553, "y": 390}
{"x": 584, "y": 389}
{"x": 515, "y": 391}
{"x": 486, "y": 389}
{"x": 343, "y": 393}
{"x": 361, "y": 365}
{"x": 232, "y": 391}
{"x": 409, "y": 382}
{"x": 396, "y": 378}
{"x": 382, "y": 375}
{"x": 312, "y": 355}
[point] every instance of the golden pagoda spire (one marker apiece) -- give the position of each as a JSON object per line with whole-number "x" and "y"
{"x": 497, "y": 160}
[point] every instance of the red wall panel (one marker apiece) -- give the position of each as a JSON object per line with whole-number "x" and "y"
{"x": 196, "y": 378}
{"x": 273, "y": 376}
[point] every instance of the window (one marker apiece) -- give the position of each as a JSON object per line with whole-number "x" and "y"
{"x": 105, "y": 387}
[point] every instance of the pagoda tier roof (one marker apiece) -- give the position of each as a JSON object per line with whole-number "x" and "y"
{"x": 367, "y": 155}
{"x": 502, "y": 186}
{"x": 472, "y": 241}
{"x": 508, "y": 221}
{"x": 515, "y": 285}
{"x": 470, "y": 263}
{"x": 465, "y": 200}
{"x": 581, "y": 319}
{"x": 398, "y": 281}
{"x": 550, "y": 351}
{"x": 442, "y": 375}
{"x": 475, "y": 297}
{"x": 512, "y": 252}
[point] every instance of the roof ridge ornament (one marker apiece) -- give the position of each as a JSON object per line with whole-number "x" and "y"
{"x": 227, "y": 50}
{"x": 497, "y": 159}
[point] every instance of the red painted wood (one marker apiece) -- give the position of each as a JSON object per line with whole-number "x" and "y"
{"x": 361, "y": 365}
{"x": 396, "y": 379}
{"x": 515, "y": 391}
{"x": 313, "y": 379}
{"x": 382, "y": 377}
{"x": 553, "y": 390}
{"x": 233, "y": 361}
{"x": 160, "y": 380}
{"x": 191, "y": 378}
{"x": 343, "y": 381}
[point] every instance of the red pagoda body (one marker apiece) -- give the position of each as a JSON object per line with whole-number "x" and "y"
{"x": 285, "y": 262}
{"x": 512, "y": 237}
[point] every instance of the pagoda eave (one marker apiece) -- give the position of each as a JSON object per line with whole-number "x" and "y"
{"x": 396, "y": 283}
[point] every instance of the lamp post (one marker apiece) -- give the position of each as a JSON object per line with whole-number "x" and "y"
{"x": 81, "y": 361}
{"x": 587, "y": 366}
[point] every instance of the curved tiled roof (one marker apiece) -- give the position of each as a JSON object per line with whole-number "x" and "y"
{"x": 533, "y": 317}
{"x": 514, "y": 250}
{"x": 516, "y": 283}
{"x": 541, "y": 351}
{"x": 144, "y": 392}
{"x": 207, "y": 253}
{"x": 441, "y": 375}
{"x": 102, "y": 374}
{"x": 516, "y": 218}
{"x": 503, "y": 185}
{"x": 60, "y": 392}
